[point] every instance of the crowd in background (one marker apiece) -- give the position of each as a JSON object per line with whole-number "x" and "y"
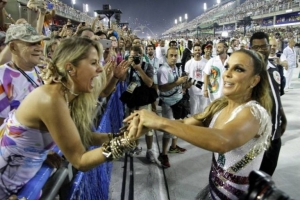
{"x": 182, "y": 70}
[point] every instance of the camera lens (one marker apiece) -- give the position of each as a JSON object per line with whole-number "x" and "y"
{"x": 136, "y": 60}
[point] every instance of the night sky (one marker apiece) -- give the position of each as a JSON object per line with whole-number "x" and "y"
{"x": 157, "y": 15}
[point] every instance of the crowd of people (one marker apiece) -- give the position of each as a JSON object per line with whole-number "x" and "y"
{"x": 231, "y": 13}
{"x": 217, "y": 95}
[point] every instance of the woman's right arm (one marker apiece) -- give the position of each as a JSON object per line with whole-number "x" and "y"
{"x": 59, "y": 123}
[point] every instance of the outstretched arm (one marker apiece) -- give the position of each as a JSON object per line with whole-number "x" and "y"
{"x": 221, "y": 139}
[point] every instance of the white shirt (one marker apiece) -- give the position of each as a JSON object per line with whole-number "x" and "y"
{"x": 215, "y": 68}
{"x": 161, "y": 53}
{"x": 195, "y": 70}
{"x": 155, "y": 65}
{"x": 290, "y": 55}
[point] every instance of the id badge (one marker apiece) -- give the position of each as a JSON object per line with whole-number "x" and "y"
{"x": 131, "y": 87}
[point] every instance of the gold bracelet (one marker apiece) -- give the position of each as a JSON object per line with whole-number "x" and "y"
{"x": 116, "y": 147}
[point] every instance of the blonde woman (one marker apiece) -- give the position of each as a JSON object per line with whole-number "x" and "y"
{"x": 59, "y": 112}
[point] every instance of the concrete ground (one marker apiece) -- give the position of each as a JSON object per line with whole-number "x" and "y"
{"x": 188, "y": 173}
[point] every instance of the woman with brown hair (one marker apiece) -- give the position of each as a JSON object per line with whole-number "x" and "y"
{"x": 235, "y": 127}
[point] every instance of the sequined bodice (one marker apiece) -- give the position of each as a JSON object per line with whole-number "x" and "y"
{"x": 229, "y": 171}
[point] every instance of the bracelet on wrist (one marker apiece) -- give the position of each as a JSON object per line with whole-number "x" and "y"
{"x": 115, "y": 148}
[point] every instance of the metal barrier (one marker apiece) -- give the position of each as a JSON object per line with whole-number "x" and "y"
{"x": 94, "y": 184}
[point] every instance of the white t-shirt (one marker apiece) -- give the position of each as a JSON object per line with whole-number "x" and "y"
{"x": 215, "y": 68}
{"x": 195, "y": 70}
{"x": 160, "y": 54}
{"x": 155, "y": 65}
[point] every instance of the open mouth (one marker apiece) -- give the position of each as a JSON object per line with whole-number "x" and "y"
{"x": 228, "y": 84}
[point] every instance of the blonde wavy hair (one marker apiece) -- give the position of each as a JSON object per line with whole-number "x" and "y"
{"x": 82, "y": 108}
{"x": 260, "y": 93}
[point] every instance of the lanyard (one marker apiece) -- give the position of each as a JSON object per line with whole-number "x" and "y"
{"x": 33, "y": 83}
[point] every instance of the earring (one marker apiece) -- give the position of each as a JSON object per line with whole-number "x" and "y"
{"x": 251, "y": 86}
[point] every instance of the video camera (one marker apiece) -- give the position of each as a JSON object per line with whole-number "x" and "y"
{"x": 261, "y": 186}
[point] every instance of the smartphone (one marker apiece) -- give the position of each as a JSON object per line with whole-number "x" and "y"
{"x": 105, "y": 43}
{"x": 50, "y": 6}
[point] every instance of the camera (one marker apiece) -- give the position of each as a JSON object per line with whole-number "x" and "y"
{"x": 53, "y": 28}
{"x": 196, "y": 83}
{"x": 261, "y": 186}
{"x": 136, "y": 59}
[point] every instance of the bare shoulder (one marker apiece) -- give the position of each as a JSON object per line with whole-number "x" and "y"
{"x": 45, "y": 101}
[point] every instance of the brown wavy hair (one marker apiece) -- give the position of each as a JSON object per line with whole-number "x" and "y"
{"x": 260, "y": 93}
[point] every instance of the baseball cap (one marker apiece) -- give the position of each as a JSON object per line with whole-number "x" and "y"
{"x": 23, "y": 32}
{"x": 208, "y": 46}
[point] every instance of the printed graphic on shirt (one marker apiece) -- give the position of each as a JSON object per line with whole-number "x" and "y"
{"x": 276, "y": 76}
{"x": 198, "y": 73}
{"x": 214, "y": 79}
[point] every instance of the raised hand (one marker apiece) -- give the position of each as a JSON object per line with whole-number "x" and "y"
{"x": 120, "y": 70}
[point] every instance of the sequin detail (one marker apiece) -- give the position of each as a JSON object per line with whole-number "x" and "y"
{"x": 229, "y": 175}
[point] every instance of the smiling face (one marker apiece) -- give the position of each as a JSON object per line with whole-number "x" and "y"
{"x": 239, "y": 78}
{"x": 30, "y": 53}
{"x": 86, "y": 71}
{"x": 197, "y": 51}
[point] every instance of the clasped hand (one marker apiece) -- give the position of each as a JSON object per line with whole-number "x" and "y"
{"x": 140, "y": 122}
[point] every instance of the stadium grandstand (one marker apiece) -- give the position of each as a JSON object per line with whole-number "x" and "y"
{"x": 229, "y": 15}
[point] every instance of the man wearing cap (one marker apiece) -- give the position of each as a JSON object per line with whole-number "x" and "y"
{"x": 207, "y": 52}
{"x": 20, "y": 76}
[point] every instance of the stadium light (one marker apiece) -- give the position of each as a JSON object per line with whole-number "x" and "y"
{"x": 95, "y": 14}
{"x": 73, "y": 2}
{"x": 180, "y": 19}
{"x": 224, "y": 34}
{"x": 185, "y": 16}
{"x": 204, "y": 6}
{"x": 175, "y": 21}
{"x": 87, "y": 7}
{"x": 218, "y": 1}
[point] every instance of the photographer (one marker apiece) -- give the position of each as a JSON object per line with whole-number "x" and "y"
{"x": 170, "y": 87}
{"x": 140, "y": 72}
